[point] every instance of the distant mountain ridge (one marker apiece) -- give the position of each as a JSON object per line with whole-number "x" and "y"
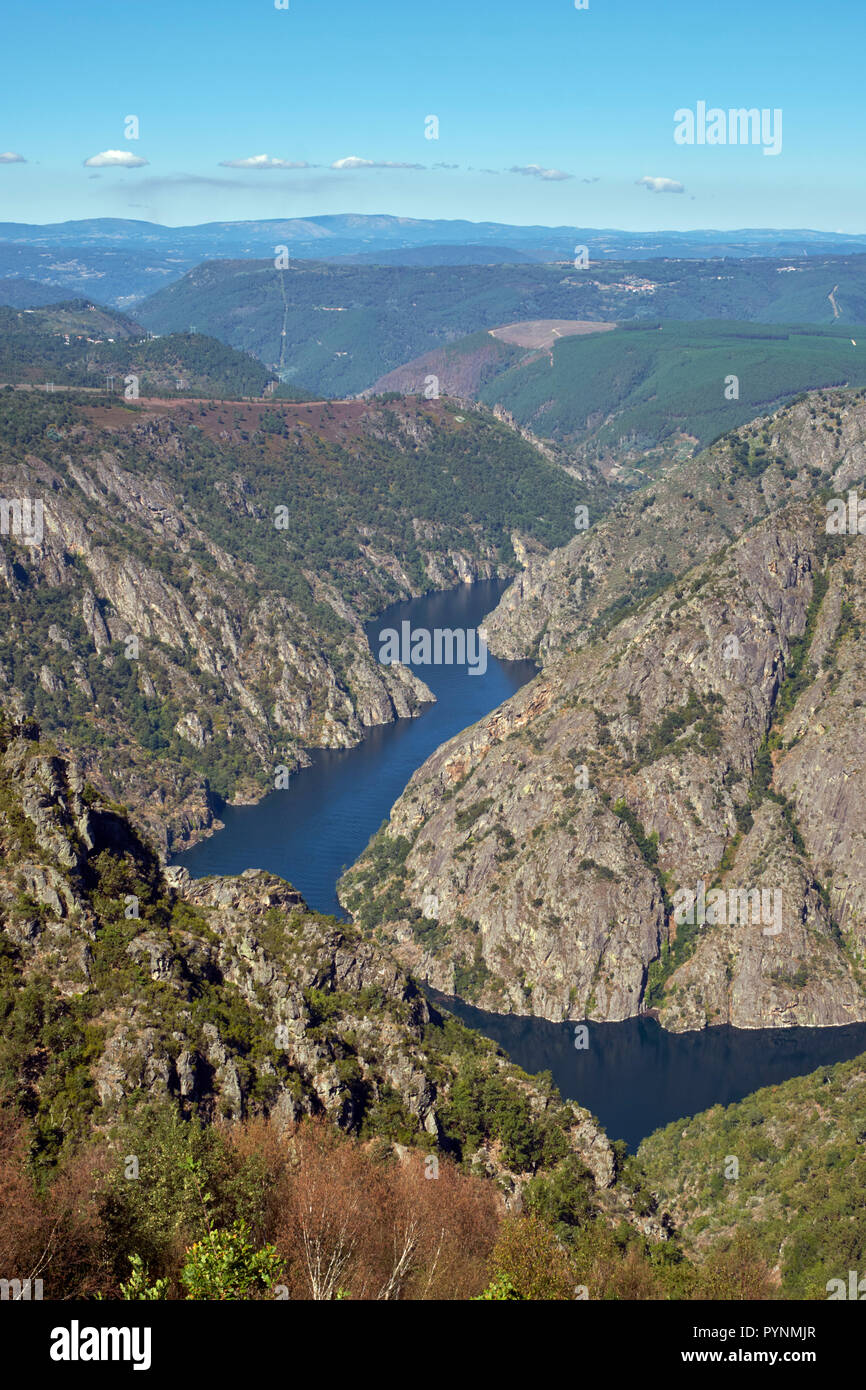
{"x": 120, "y": 261}
{"x": 370, "y": 232}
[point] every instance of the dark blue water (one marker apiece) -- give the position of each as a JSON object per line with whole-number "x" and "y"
{"x": 317, "y": 827}
{"x": 635, "y": 1077}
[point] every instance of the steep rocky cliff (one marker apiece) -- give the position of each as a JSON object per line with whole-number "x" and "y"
{"x": 122, "y": 986}
{"x": 189, "y": 616}
{"x": 696, "y": 727}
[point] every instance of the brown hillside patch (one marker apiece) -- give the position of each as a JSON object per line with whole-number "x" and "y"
{"x": 543, "y": 333}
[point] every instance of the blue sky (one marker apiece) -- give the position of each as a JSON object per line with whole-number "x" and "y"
{"x": 590, "y": 94}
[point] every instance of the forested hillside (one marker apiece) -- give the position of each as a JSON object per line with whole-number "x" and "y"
{"x": 78, "y": 343}
{"x": 337, "y": 329}
{"x": 620, "y": 396}
{"x": 787, "y": 1164}
{"x": 639, "y": 394}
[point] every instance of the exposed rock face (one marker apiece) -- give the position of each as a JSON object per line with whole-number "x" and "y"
{"x": 704, "y": 737}
{"x": 123, "y": 985}
{"x": 188, "y": 648}
{"x": 757, "y": 974}
{"x": 678, "y": 521}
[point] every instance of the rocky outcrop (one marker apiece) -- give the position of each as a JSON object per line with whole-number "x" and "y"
{"x": 123, "y": 985}
{"x": 564, "y": 598}
{"x": 699, "y": 737}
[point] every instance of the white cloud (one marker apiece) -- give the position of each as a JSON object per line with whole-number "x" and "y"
{"x": 353, "y": 162}
{"x": 660, "y": 185}
{"x": 264, "y": 161}
{"x": 535, "y": 171}
{"x": 10, "y": 158}
{"x": 115, "y": 159}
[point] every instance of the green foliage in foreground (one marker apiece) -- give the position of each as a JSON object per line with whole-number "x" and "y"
{"x": 227, "y": 1264}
